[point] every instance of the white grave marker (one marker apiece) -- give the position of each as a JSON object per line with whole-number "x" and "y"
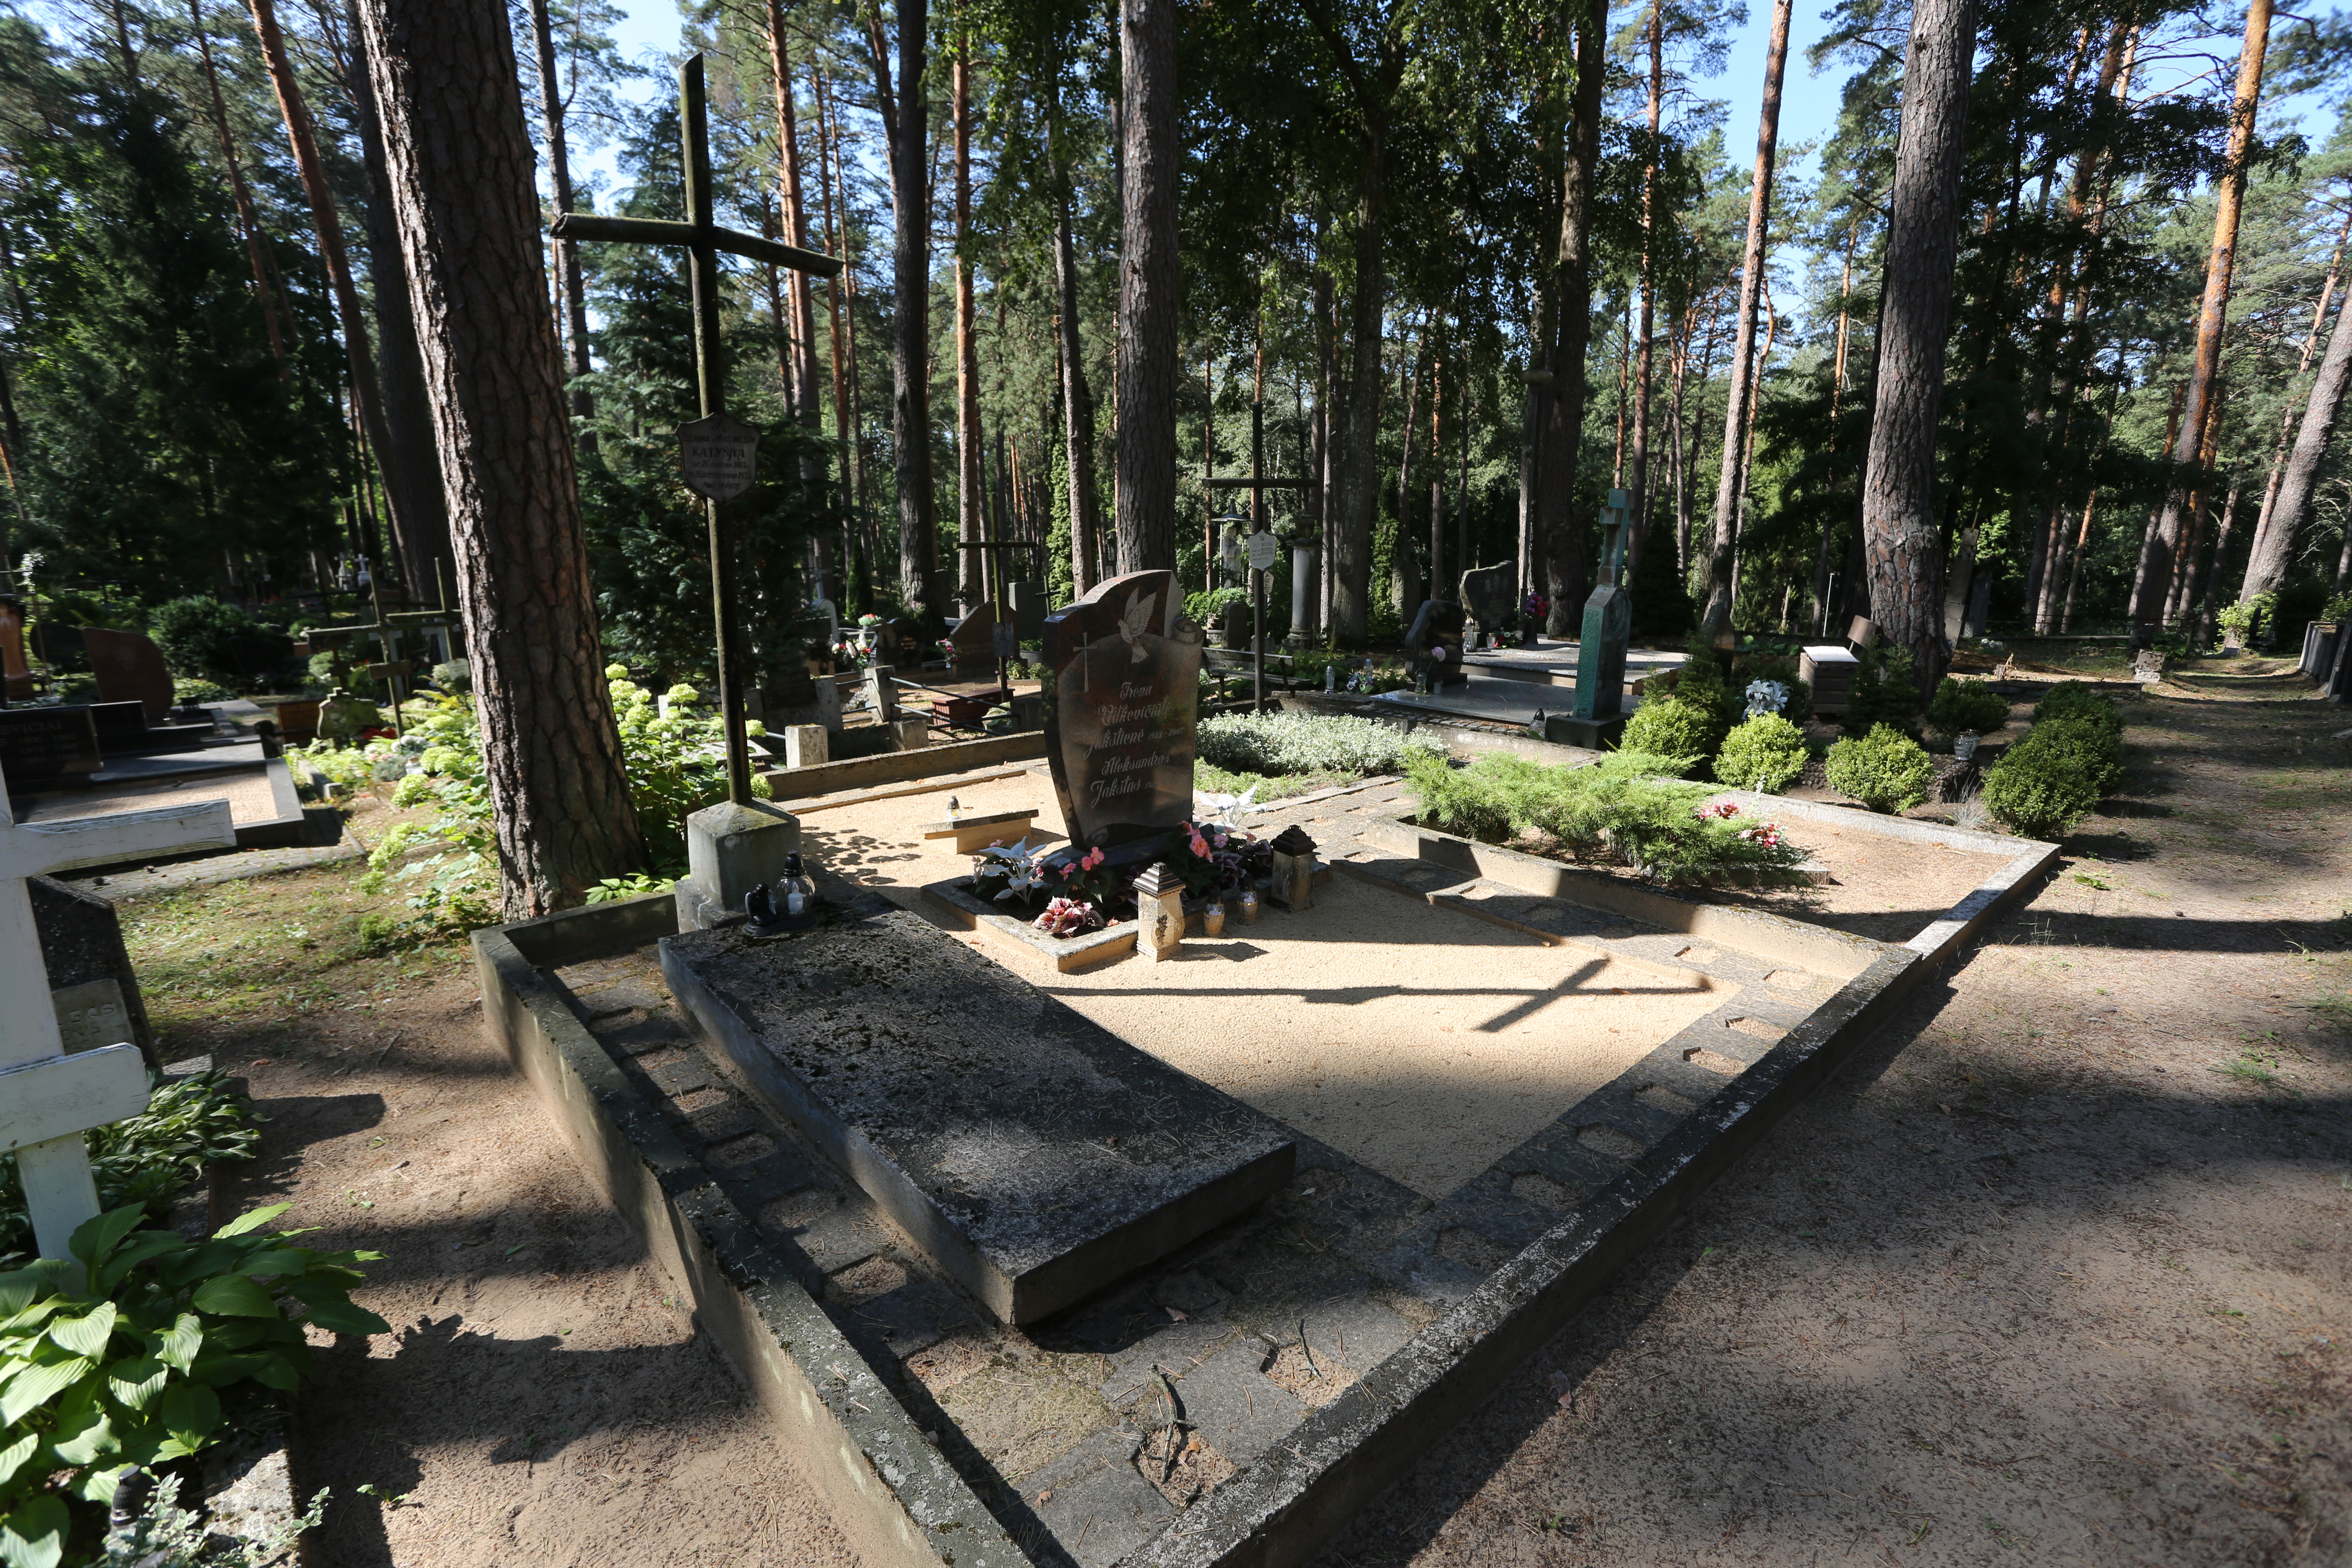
{"x": 48, "y": 1098}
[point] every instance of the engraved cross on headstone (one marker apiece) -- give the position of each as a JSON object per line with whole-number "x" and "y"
{"x": 48, "y": 1098}
{"x": 715, "y": 449}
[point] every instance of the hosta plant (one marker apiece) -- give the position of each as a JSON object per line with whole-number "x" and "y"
{"x": 128, "y": 1367}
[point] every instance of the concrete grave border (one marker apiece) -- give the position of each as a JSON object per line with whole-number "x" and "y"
{"x": 893, "y": 1492}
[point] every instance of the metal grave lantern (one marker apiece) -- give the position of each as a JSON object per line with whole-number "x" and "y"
{"x": 1293, "y": 884}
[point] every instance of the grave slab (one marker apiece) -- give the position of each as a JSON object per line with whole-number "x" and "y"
{"x": 1034, "y": 1156}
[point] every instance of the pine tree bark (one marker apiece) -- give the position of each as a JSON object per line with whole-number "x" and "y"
{"x": 409, "y": 463}
{"x": 801, "y": 286}
{"x": 2287, "y": 422}
{"x": 1078, "y": 398}
{"x": 366, "y": 390}
{"x": 1560, "y": 530}
{"x": 905, "y": 125}
{"x": 572, "y": 301}
{"x": 460, "y": 164}
{"x": 1638, "y": 458}
{"x": 247, "y": 219}
{"x": 2300, "y": 481}
{"x": 1144, "y": 500}
{"x": 1742, "y": 393}
{"x": 972, "y": 522}
{"x": 1903, "y": 545}
{"x": 2154, "y": 587}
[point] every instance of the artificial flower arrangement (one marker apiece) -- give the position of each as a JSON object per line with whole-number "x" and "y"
{"x": 1081, "y": 891}
{"x": 1768, "y": 833}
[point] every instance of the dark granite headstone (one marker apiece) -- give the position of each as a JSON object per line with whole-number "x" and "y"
{"x": 45, "y": 745}
{"x": 130, "y": 668}
{"x": 81, "y": 941}
{"x": 1031, "y": 1153}
{"x": 1122, "y": 727}
{"x": 1490, "y": 594}
{"x": 975, "y": 636}
{"x": 1029, "y": 606}
{"x": 1435, "y": 642}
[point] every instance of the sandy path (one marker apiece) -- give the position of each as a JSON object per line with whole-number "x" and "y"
{"x": 2057, "y": 1272}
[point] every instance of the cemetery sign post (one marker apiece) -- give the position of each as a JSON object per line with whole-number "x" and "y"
{"x": 716, "y": 451}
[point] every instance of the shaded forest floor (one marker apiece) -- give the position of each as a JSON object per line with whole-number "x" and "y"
{"x": 2056, "y": 1270}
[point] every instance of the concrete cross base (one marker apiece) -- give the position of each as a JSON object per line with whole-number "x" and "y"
{"x": 976, "y": 831}
{"x": 1593, "y": 734}
{"x": 729, "y": 850}
{"x": 807, "y": 746}
{"x": 910, "y": 734}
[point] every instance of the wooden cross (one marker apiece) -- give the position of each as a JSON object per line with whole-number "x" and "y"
{"x": 704, "y": 240}
{"x": 48, "y": 1098}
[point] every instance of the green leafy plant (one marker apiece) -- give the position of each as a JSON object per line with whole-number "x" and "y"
{"x": 675, "y": 764}
{"x": 196, "y": 689}
{"x": 189, "y": 1123}
{"x": 129, "y": 1370}
{"x": 1618, "y": 809}
{"x": 1203, "y": 607}
{"x": 1684, "y": 729}
{"x": 1766, "y": 753}
{"x": 2066, "y": 763}
{"x": 1883, "y": 693}
{"x": 1965, "y": 705}
{"x": 1277, "y": 744}
{"x": 199, "y": 636}
{"x": 611, "y": 889}
{"x": 1886, "y": 769}
{"x": 162, "y": 1535}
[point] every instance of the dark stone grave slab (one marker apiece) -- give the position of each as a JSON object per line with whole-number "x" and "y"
{"x": 1489, "y": 595}
{"x": 130, "y": 668}
{"x": 1033, "y": 1154}
{"x": 1122, "y": 728}
{"x": 47, "y": 745}
{"x": 82, "y": 944}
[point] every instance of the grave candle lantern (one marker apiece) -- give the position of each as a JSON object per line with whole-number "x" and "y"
{"x": 1158, "y": 913}
{"x": 1293, "y": 883}
{"x": 1249, "y": 906}
{"x": 1212, "y": 918}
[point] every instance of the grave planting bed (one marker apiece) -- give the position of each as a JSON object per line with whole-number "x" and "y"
{"x": 1603, "y": 1050}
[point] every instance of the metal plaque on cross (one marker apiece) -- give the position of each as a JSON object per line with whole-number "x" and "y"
{"x": 720, "y": 456}
{"x": 1264, "y": 550}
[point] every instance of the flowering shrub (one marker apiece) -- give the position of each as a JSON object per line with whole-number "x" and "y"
{"x": 677, "y": 764}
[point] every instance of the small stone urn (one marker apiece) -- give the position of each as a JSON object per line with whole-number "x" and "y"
{"x": 1964, "y": 745}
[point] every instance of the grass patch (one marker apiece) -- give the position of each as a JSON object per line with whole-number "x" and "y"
{"x": 267, "y": 948}
{"x": 1270, "y": 786}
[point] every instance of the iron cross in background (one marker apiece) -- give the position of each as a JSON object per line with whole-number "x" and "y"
{"x": 704, "y": 240}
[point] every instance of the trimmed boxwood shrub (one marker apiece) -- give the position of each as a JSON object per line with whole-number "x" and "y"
{"x": 2057, "y": 774}
{"x": 1886, "y": 769}
{"x": 1764, "y": 753}
{"x": 1883, "y": 694}
{"x": 1972, "y": 705}
{"x": 1686, "y": 731}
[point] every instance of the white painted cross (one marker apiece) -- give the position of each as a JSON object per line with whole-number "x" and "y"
{"x": 47, "y": 1099}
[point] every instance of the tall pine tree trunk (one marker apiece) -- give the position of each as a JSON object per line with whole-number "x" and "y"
{"x": 2255, "y": 554}
{"x": 972, "y": 520}
{"x": 1560, "y": 530}
{"x": 2301, "y": 477}
{"x": 2153, "y": 590}
{"x": 1078, "y": 398}
{"x": 1144, "y": 502}
{"x": 1901, "y": 541}
{"x": 906, "y": 124}
{"x": 367, "y": 393}
{"x": 1742, "y": 392}
{"x": 460, "y": 166}
{"x": 410, "y": 465}
{"x": 1356, "y": 454}
{"x": 801, "y": 286}
{"x": 1640, "y": 457}
{"x": 247, "y": 219}
{"x": 570, "y": 298}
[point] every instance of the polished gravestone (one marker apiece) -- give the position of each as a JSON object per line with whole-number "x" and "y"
{"x": 1490, "y": 596}
{"x": 48, "y": 746}
{"x": 1122, "y": 731}
{"x": 1034, "y": 1156}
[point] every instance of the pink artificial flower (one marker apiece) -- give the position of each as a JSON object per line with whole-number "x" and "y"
{"x": 1722, "y": 808}
{"x": 1094, "y": 857}
{"x": 1200, "y": 845}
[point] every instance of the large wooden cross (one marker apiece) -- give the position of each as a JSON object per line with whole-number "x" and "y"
{"x": 48, "y": 1098}
{"x": 704, "y": 240}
